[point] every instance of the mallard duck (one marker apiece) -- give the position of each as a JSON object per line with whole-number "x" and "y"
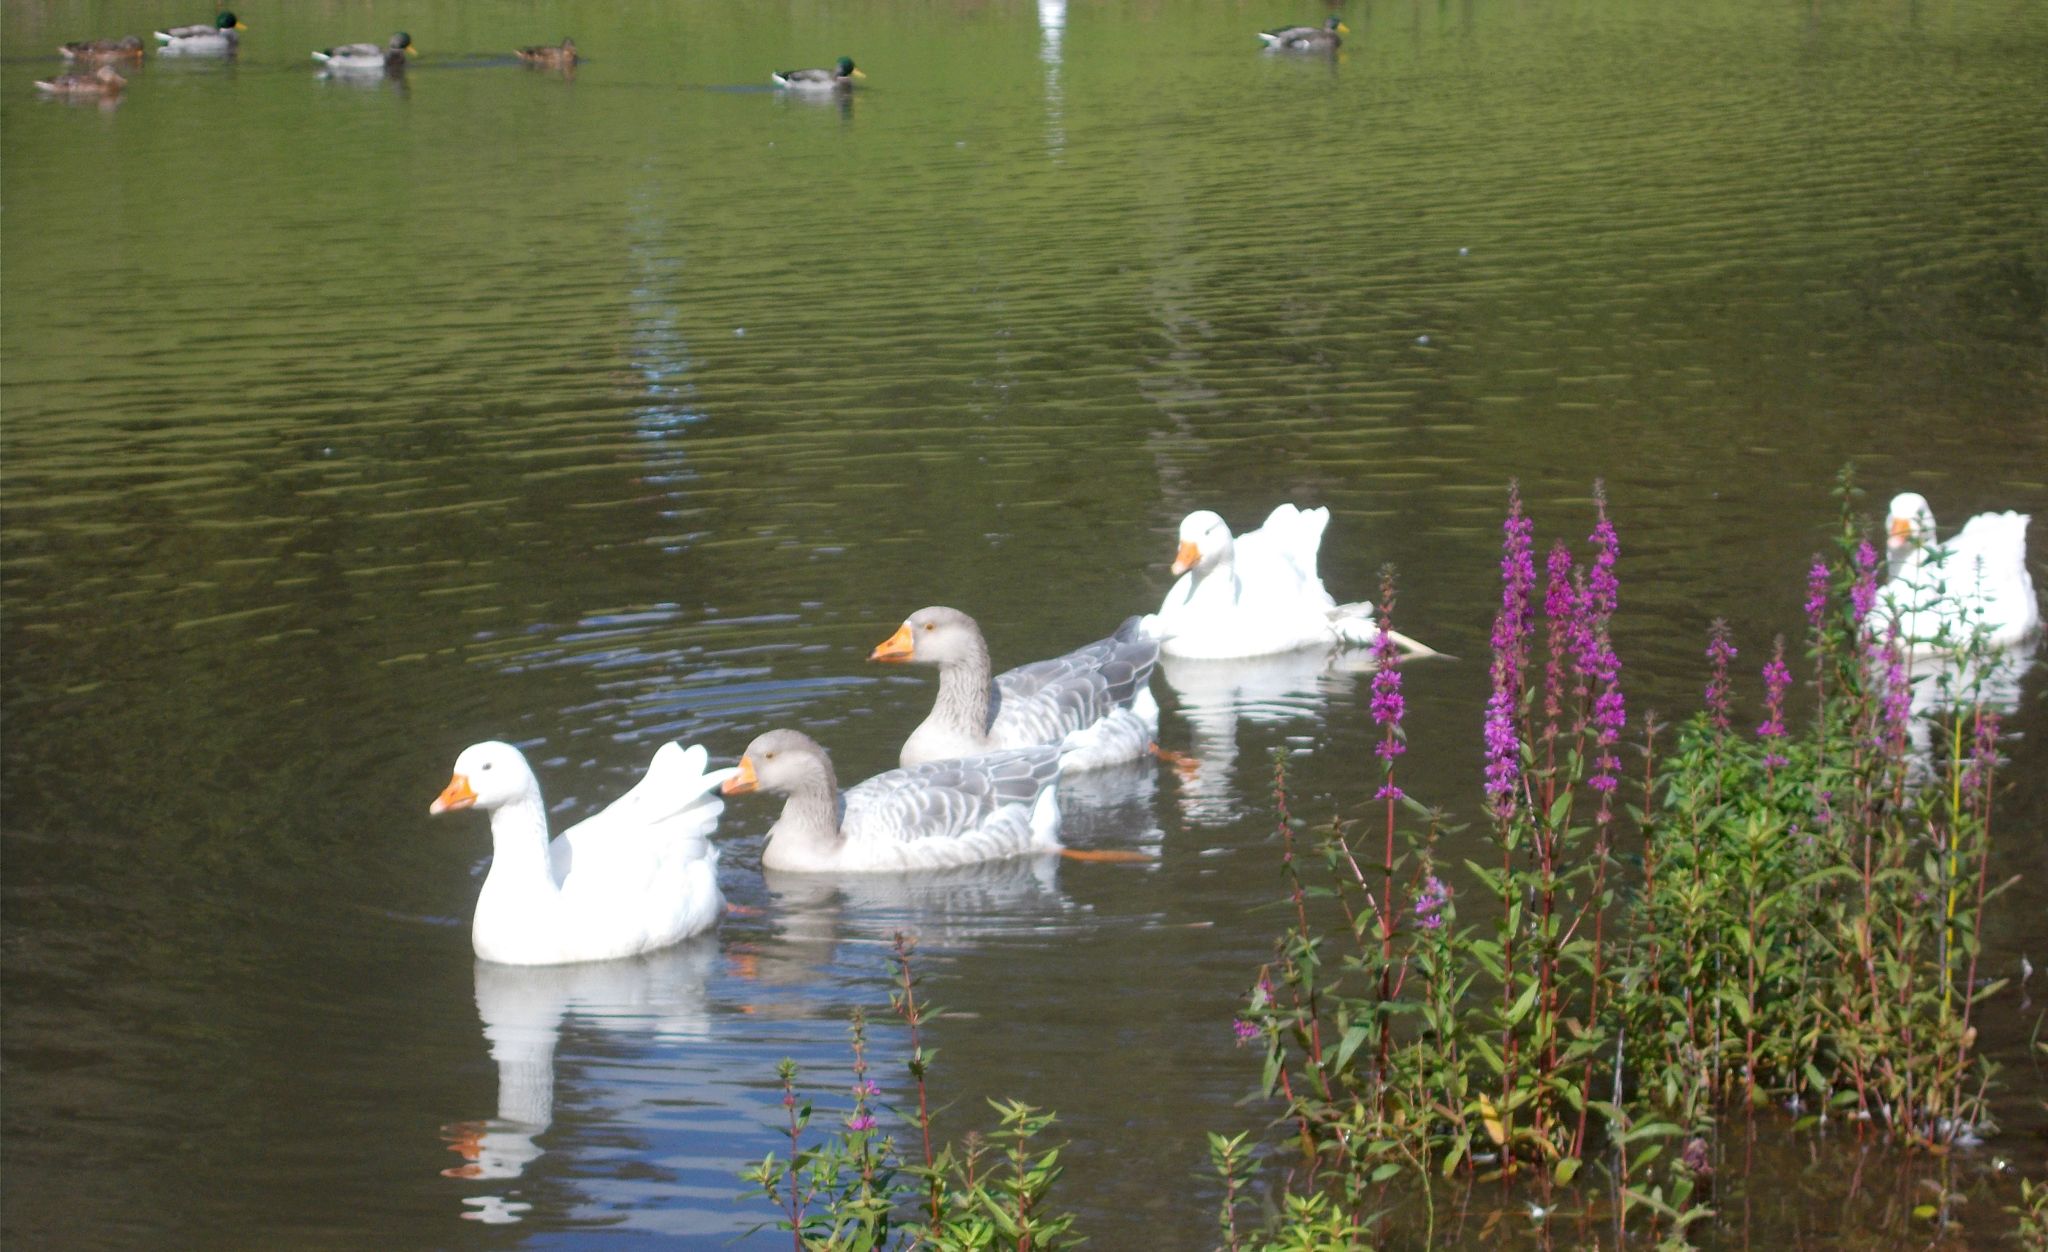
{"x": 126, "y": 48}
{"x": 819, "y": 80}
{"x": 1095, "y": 703}
{"x": 637, "y": 876}
{"x": 360, "y": 57}
{"x": 1975, "y": 584}
{"x": 1257, "y": 594}
{"x": 977, "y": 808}
{"x": 101, "y": 82}
{"x": 549, "y": 56}
{"x": 1307, "y": 38}
{"x": 221, "y": 37}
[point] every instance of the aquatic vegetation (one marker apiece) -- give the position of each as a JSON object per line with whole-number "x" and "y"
{"x": 1777, "y": 918}
{"x": 1803, "y": 932}
{"x": 859, "y": 1188}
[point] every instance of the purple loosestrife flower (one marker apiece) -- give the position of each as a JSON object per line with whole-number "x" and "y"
{"x": 1898, "y": 691}
{"x": 861, "y": 1121}
{"x": 1817, "y": 594}
{"x": 866, "y": 1089}
{"x": 1560, "y": 611}
{"x": 1720, "y": 651}
{"x": 1387, "y": 705}
{"x": 1518, "y": 580}
{"x": 1503, "y": 746}
{"x": 1604, "y": 587}
{"x": 1863, "y": 596}
{"x": 1983, "y": 754}
{"x": 1245, "y": 1031}
{"x": 1777, "y": 677}
{"x": 1430, "y": 902}
{"x": 1511, "y": 629}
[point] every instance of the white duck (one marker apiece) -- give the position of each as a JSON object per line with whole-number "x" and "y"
{"x": 637, "y": 876}
{"x": 1944, "y": 593}
{"x": 978, "y": 808}
{"x": 1258, "y": 593}
{"x": 1095, "y": 703}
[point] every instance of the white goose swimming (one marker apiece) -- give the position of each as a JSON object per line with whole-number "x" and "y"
{"x": 1258, "y": 593}
{"x": 1944, "y": 593}
{"x": 978, "y": 808}
{"x": 638, "y": 876}
{"x": 1095, "y": 703}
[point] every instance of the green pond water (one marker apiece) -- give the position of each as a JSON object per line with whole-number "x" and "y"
{"x": 344, "y": 423}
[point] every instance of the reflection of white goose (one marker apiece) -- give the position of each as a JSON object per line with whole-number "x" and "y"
{"x": 1943, "y": 594}
{"x": 637, "y": 876}
{"x": 1258, "y": 593}
{"x": 946, "y": 908}
{"x": 1946, "y": 682}
{"x": 1214, "y": 696}
{"x": 523, "y": 1010}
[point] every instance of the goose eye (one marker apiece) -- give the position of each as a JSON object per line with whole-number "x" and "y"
{"x": 487, "y": 766}
{"x": 928, "y": 625}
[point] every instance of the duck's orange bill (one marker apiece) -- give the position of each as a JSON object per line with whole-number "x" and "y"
{"x": 456, "y": 795}
{"x": 896, "y": 647}
{"x": 743, "y": 782}
{"x": 1901, "y": 528}
{"x": 1186, "y": 558}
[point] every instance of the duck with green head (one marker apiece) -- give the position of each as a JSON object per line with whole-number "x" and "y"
{"x": 221, "y": 38}
{"x": 835, "y": 79}
{"x": 1307, "y": 38}
{"x": 360, "y": 58}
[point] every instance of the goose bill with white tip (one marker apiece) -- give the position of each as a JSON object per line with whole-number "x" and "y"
{"x": 743, "y": 782}
{"x": 456, "y": 795}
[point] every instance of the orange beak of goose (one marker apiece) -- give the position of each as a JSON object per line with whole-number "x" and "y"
{"x": 897, "y": 647}
{"x": 1902, "y": 530}
{"x": 456, "y": 795}
{"x": 743, "y": 782}
{"x": 1186, "y": 558}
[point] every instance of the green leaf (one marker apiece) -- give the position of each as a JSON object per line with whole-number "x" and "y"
{"x": 1521, "y": 1006}
{"x": 1352, "y": 1038}
{"x": 1567, "y": 1169}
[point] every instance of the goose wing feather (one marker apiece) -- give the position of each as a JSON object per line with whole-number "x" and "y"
{"x": 1046, "y": 701}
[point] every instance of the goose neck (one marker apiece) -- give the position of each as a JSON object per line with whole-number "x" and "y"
{"x": 519, "y": 841}
{"x": 964, "y": 690}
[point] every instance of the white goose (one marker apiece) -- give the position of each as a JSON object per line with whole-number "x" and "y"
{"x": 1258, "y": 593}
{"x": 1944, "y": 593}
{"x": 1095, "y": 703}
{"x": 637, "y": 876}
{"x": 979, "y": 808}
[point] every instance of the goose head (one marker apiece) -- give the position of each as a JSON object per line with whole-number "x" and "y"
{"x": 1909, "y": 522}
{"x": 781, "y": 761}
{"x": 1204, "y": 543}
{"x": 487, "y": 776}
{"x": 933, "y": 636}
